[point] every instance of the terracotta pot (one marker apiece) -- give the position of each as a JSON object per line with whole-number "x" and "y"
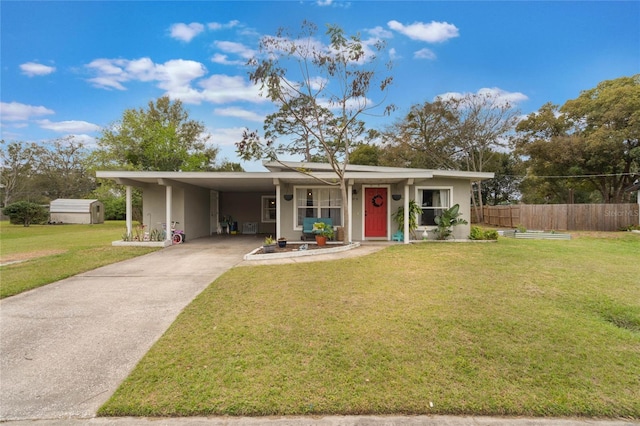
{"x": 322, "y": 241}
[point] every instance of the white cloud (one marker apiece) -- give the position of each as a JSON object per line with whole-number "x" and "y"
{"x": 173, "y": 76}
{"x": 424, "y": 54}
{"x": 186, "y": 32}
{"x": 379, "y": 32}
{"x": 88, "y": 141}
{"x": 433, "y": 32}
{"x": 235, "y": 48}
{"x": 222, "y": 88}
{"x": 214, "y": 26}
{"x": 15, "y": 111}
{"x": 71, "y": 126}
{"x": 500, "y": 96}
{"x": 503, "y": 95}
{"x": 221, "y": 59}
{"x": 177, "y": 74}
{"x": 33, "y": 69}
{"x": 239, "y": 113}
{"x": 226, "y": 136}
{"x": 177, "y": 77}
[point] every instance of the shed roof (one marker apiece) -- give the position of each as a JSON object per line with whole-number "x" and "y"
{"x": 71, "y": 205}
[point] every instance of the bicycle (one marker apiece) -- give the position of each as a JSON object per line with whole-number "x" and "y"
{"x": 177, "y": 235}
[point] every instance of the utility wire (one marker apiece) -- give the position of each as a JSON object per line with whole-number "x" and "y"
{"x": 575, "y": 176}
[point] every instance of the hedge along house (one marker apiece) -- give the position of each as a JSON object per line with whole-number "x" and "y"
{"x": 276, "y": 202}
{"x": 66, "y": 210}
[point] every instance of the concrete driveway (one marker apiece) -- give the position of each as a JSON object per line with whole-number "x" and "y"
{"x": 65, "y": 347}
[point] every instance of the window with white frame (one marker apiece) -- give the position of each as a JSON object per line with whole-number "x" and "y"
{"x": 432, "y": 201}
{"x": 268, "y": 208}
{"x": 318, "y": 202}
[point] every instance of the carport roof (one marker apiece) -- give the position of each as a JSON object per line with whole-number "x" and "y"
{"x": 265, "y": 181}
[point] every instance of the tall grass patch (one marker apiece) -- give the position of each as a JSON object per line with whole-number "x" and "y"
{"x": 514, "y": 328}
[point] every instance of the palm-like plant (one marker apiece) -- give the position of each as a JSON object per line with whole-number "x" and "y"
{"x": 446, "y": 221}
{"x": 414, "y": 212}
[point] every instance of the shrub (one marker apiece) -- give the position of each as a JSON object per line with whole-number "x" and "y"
{"x": 478, "y": 233}
{"x": 26, "y": 213}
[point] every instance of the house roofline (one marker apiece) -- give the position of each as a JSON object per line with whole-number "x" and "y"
{"x": 279, "y": 166}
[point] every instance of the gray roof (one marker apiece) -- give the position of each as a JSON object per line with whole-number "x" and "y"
{"x": 282, "y": 172}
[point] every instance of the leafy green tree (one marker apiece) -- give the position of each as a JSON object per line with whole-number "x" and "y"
{"x": 423, "y": 138}
{"x": 26, "y": 213}
{"x": 321, "y": 91}
{"x": 366, "y": 155}
{"x": 161, "y": 137}
{"x": 45, "y": 171}
{"x": 504, "y": 188}
{"x": 292, "y": 121}
{"x": 608, "y": 118}
{"x": 62, "y": 170}
{"x": 18, "y": 162}
{"x": 589, "y": 145}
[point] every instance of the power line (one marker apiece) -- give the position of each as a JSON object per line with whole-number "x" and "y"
{"x": 575, "y": 176}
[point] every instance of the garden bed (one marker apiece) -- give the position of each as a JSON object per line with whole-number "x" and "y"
{"x": 535, "y": 235}
{"x": 296, "y": 249}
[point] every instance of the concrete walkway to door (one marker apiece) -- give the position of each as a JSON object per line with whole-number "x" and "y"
{"x": 65, "y": 347}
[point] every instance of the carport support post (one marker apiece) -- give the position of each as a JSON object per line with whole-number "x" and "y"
{"x": 169, "y": 201}
{"x": 276, "y": 182}
{"x": 406, "y": 213}
{"x": 128, "y": 209}
{"x": 350, "y": 206}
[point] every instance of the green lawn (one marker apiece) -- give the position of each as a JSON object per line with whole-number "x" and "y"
{"x": 533, "y": 328}
{"x": 52, "y": 252}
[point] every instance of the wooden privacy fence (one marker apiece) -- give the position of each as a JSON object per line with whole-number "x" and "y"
{"x": 563, "y": 217}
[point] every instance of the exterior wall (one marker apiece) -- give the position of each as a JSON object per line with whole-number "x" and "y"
{"x": 357, "y": 216}
{"x": 246, "y": 207}
{"x": 196, "y": 212}
{"x": 191, "y": 208}
{"x": 287, "y": 214}
{"x": 154, "y": 213}
{"x": 153, "y": 207}
{"x": 460, "y": 195}
{"x": 78, "y": 218}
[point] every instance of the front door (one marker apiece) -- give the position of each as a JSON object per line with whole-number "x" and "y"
{"x": 375, "y": 212}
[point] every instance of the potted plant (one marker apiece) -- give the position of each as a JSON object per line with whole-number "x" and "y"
{"x": 282, "y": 242}
{"x": 322, "y": 232}
{"x": 269, "y": 245}
{"x": 414, "y": 212}
{"x": 446, "y": 221}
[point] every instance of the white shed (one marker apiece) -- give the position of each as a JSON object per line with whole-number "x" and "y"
{"x": 65, "y": 210}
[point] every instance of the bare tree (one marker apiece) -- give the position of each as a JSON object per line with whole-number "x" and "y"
{"x": 484, "y": 122}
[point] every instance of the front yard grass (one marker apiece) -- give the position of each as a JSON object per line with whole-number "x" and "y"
{"x": 48, "y": 253}
{"x": 521, "y": 328}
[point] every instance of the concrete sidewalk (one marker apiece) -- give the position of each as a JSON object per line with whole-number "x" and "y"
{"x": 327, "y": 421}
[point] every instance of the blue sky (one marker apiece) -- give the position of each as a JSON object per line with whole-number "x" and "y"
{"x": 71, "y": 68}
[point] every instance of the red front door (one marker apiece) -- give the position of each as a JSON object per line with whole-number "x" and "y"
{"x": 375, "y": 212}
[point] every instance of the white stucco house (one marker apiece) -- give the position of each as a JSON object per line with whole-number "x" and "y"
{"x": 277, "y": 201}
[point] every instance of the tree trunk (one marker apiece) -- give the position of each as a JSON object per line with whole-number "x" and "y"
{"x": 345, "y": 209}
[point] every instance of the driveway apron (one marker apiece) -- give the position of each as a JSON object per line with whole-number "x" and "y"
{"x": 65, "y": 347}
